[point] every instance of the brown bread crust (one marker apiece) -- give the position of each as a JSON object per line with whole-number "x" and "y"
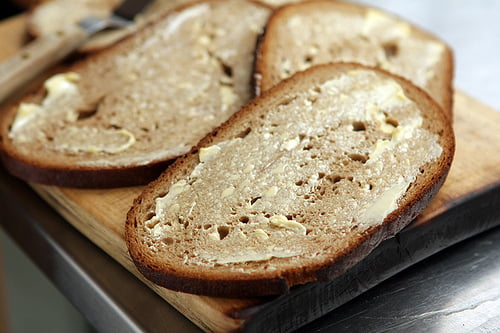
{"x": 265, "y": 76}
{"x": 61, "y": 172}
{"x": 217, "y": 281}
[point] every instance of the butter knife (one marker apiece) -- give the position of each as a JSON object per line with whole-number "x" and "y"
{"x": 49, "y": 49}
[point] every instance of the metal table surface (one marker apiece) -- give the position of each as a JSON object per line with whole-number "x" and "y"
{"x": 457, "y": 290}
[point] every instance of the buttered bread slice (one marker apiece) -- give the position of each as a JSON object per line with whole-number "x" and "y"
{"x": 304, "y": 34}
{"x": 298, "y": 186}
{"x": 119, "y": 116}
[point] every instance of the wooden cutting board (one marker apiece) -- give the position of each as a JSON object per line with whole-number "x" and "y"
{"x": 467, "y": 204}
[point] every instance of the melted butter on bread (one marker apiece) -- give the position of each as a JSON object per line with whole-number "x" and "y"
{"x": 209, "y": 153}
{"x": 281, "y": 221}
{"x": 93, "y": 140}
{"x": 255, "y": 201}
{"x": 61, "y": 84}
{"x": 25, "y": 112}
{"x": 251, "y": 256}
{"x": 384, "y": 204}
{"x": 57, "y": 87}
{"x": 62, "y": 96}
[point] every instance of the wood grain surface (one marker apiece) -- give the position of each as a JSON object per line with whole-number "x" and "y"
{"x": 100, "y": 214}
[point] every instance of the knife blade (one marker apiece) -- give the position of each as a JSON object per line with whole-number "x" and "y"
{"x": 50, "y": 49}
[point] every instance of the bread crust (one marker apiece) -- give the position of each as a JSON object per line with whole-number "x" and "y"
{"x": 59, "y": 172}
{"x": 265, "y": 76}
{"x": 31, "y": 170}
{"x": 84, "y": 177}
{"x": 220, "y": 282}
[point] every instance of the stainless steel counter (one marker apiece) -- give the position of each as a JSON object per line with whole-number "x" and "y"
{"x": 457, "y": 290}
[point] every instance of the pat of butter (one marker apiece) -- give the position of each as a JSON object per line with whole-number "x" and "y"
{"x": 196, "y": 171}
{"x": 377, "y": 150}
{"x": 25, "y": 113}
{"x": 204, "y": 40}
{"x": 164, "y": 203}
{"x": 177, "y": 188}
{"x": 270, "y": 192}
{"x": 214, "y": 235}
{"x": 385, "y": 203}
{"x": 387, "y": 128}
{"x": 291, "y": 144}
{"x": 266, "y": 135}
{"x": 405, "y": 132}
{"x": 61, "y": 84}
{"x": 389, "y": 95}
{"x": 261, "y": 234}
{"x": 281, "y": 221}
{"x": 386, "y": 96}
{"x": 373, "y": 112}
{"x": 343, "y": 98}
{"x": 130, "y": 142}
{"x": 313, "y": 50}
{"x": 209, "y": 153}
{"x": 402, "y": 132}
{"x": 56, "y": 86}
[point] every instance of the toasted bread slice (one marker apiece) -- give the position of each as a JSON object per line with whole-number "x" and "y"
{"x": 120, "y": 116}
{"x": 314, "y": 32}
{"x": 298, "y": 186}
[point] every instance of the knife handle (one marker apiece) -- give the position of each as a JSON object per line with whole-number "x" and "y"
{"x": 38, "y": 56}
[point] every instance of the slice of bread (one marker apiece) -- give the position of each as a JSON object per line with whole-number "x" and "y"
{"x": 51, "y": 15}
{"x": 118, "y": 117}
{"x": 298, "y": 186}
{"x": 314, "y": 32}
